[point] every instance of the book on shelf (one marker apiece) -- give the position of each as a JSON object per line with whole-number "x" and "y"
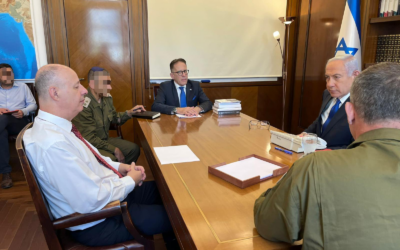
{"x": 382, "y": 7}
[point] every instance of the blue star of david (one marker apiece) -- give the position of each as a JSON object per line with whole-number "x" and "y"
{"x": 343, "y": 47}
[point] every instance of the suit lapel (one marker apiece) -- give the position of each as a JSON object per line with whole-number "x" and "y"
{"x": 189, "y": 93}
{"x": 175, "y": 94}
{"x": 337, "y": 117}
{"x": 325, "y": 105}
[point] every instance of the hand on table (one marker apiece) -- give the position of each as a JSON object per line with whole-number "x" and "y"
{"x": 136, "y": 109}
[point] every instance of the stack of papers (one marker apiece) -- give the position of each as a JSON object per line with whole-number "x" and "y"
{"x": 227, "y": 107}
{"x": 249, "y": 168}
{"x": 184, "y": 116}
{"x": 175, "y": 154}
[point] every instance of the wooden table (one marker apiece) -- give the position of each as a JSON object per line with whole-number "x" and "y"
{"x": 206, "y": 211}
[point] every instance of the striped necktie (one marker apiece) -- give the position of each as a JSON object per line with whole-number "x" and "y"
{"x": 332, "y": 113}
{"x": 98, "y": 157}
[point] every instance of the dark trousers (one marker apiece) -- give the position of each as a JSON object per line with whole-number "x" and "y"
{"x": 9, "y": 125}
{"x": 130, "y": 150}
{"x": 148, "y": 215}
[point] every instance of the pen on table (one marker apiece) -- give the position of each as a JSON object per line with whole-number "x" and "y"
{"x": 137, "y": 109}
{"x": 285, "y": 151}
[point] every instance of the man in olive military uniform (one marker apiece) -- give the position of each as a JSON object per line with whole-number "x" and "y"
{"x": 347, "y": 198}
{"x": 97, "y": 115}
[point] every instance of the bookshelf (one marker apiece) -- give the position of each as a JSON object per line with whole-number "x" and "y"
{"x": 374, "y": 26}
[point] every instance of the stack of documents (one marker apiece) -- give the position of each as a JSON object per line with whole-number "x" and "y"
{"x": 227, "y": 107}
{"x": 292, "y": 142}
{"x": 249, "y": 168}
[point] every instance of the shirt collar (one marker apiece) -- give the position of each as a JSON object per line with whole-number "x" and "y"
{"x": 92, "y": 97}
{"x": 344, "y": 98}
{"x": 16, "y": 84}
{"x": 56, "y": 120}
{"x": 177, "y": 85}
{"x": 377, "y": 134}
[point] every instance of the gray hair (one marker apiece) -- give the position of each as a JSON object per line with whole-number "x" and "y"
{"x": 44, "y": 78}
{"x": 350, "y": 62}
{"x": 375, "y": 93}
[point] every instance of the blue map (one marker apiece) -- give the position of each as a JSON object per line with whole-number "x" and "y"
{"x": 16, "y": 49}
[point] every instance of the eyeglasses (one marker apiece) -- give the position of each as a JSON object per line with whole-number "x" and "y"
{"x": 181, "y": 72}
{"x": 259, "y": 124}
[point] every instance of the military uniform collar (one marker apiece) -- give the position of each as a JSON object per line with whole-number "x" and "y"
{"x": 92, "y": 98}
{"x": 377, "y": 134}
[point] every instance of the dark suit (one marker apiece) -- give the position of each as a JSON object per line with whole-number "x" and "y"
{"x": 167, "y": 97}
{"x": 337, "y": 133}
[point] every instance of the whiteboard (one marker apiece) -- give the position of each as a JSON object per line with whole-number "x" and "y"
{"x": 217, "y": 38}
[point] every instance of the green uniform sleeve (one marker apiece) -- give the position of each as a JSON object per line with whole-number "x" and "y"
{"x": 280, "y": 212}
{"x": 124, "y": 117}
{"x": 86, "y": 125}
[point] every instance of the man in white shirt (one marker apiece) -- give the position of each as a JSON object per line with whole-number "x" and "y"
{"x": 331, "y": 124}
{"x": 73, "y": 175}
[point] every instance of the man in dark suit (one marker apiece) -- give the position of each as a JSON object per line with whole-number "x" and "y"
{"x": 181, "y": 95}
{"x": 331, "y": 123}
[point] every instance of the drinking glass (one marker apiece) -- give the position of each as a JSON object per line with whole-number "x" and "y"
{"x": 309, "y": 142}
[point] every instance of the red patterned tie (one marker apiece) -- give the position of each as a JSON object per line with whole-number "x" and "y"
{"x": 98, "y": 157}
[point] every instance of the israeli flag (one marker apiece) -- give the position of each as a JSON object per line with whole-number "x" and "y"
{"x": 349, "y": 41}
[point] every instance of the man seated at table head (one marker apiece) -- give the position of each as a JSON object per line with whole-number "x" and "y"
{"x": 331, "y": 124}
{"x": 181, "y": 95}
{"x": 345, "y": 199}
{"x": 75, "y": 177}
{"x": 14, "y": 96}
{"x": 97, "y": 115}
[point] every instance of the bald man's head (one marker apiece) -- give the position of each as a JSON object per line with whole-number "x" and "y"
{"x": 60, "y": 91}
{"x": 49, "y": 75}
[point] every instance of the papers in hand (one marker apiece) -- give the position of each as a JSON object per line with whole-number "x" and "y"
{"x": 184, "y": 116}
{"x": 175, "y": 154}
{"x": 249, "y": 168}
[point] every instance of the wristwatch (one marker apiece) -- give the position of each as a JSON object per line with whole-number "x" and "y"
{"x": 174, "y": 111}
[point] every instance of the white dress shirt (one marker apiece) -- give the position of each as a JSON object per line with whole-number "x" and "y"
{"x": 68, "y": 173}
{"x": 178, "y": 90}
{"x": 18, "y": 97}
{"x": 325, "y": 114}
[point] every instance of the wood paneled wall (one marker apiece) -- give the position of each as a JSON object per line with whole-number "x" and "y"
{"x": 110, "y": 34}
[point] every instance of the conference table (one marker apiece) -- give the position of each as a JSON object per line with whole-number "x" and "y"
{"x": 207, "y": 212}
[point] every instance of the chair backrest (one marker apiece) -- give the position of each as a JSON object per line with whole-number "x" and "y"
{"x": 155, "y": 90}
{"x": 38, "y": 198}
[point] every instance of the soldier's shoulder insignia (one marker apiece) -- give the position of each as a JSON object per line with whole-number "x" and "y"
{"x": 86, "y": 102}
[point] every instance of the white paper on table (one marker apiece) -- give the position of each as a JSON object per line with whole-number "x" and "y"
{"x": 175, "y": 154}
{"x": 184, "y": 116}
{"x": 249, "y": 168}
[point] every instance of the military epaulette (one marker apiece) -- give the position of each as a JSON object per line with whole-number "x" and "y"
{"x": 86, "y": 102}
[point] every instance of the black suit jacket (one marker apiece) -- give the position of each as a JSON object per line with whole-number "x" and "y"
{"x": 167, "y": 97}
{"x": 337, "y": 133}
